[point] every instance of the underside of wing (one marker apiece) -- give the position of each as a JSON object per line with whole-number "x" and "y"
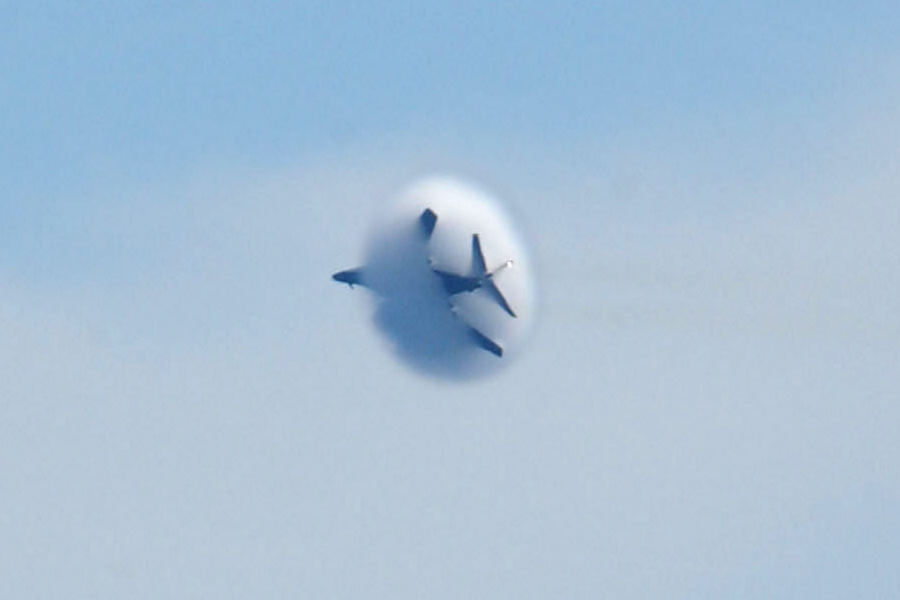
{"x": 485, "y": 342}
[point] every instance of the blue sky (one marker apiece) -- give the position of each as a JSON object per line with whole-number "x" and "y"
{"x": 190, "y": 408}
{"x": 110, "y": 87}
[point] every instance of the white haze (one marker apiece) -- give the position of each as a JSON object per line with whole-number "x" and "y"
{"x": 413, "y": 311}
{"x": 192, "y": 408}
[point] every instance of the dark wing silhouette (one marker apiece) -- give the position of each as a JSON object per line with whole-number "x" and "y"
{"x": 427, "y": 221}
{"x": 485, "y": 342}
{"x": 351, "y": 277}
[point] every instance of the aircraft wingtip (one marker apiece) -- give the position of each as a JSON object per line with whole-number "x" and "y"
{"x": 427, "y": 221}
{"x": 350, "y": 277}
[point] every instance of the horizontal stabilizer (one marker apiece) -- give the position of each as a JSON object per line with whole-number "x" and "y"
{"x": 491, "y": 288}
{"x": 351, "y": 277}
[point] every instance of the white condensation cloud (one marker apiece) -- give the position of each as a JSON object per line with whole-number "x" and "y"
{"x": 429, "y": 328}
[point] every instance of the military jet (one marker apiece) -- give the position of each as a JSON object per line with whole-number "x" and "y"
{"x": 478, "y": 278}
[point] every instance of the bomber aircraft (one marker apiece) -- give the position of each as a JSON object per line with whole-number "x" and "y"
{"x": 477, "y": 278}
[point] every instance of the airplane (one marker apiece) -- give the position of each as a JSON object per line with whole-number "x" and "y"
{"x": 478, "y": 278}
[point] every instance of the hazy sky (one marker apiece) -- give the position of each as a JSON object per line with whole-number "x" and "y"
{"x": 189, "y": 407}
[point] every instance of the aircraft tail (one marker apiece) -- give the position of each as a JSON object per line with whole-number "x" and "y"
{"x": 478, "y": 267}
{"x": 479, "y": 271}
{"x": 495, "y": 293}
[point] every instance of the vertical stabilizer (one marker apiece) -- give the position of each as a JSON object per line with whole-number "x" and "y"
{"x": 478, "y": 268}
